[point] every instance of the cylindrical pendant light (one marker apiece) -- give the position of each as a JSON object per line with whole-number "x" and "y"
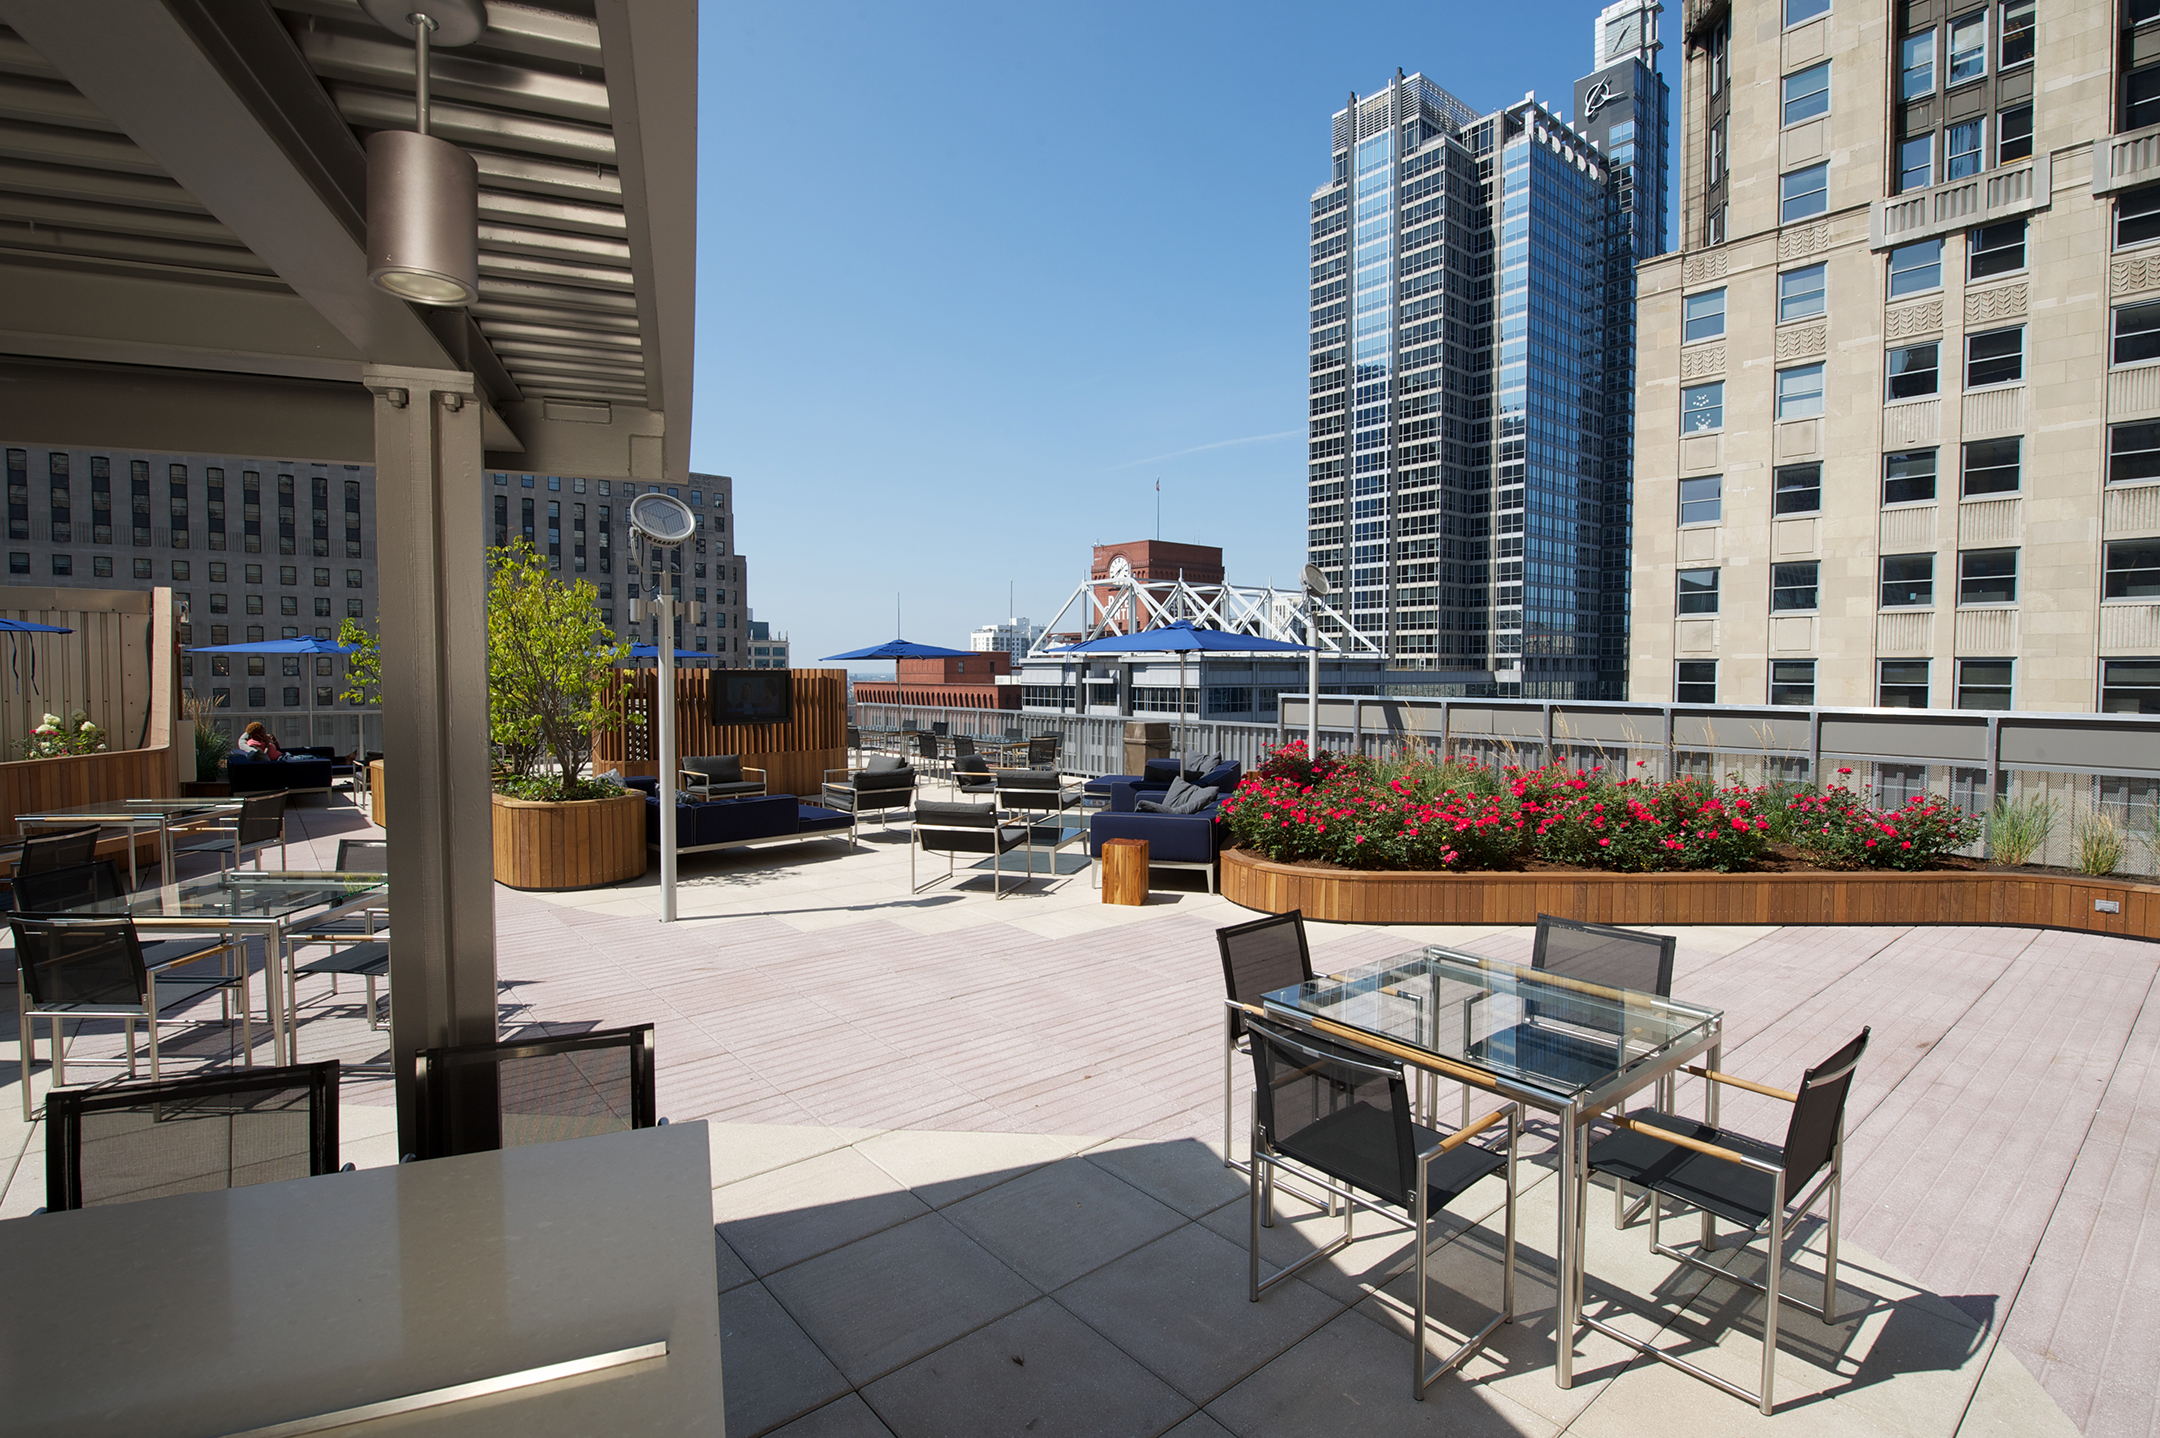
{"x": 423, "y": 197}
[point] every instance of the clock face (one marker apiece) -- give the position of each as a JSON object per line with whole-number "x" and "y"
{"x": 1622, "y": 36}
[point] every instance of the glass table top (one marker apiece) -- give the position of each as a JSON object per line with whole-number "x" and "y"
{"x": 1529, "y": 1029}
{"x": 238, "y": 896}
{"x": 122, "y": 810}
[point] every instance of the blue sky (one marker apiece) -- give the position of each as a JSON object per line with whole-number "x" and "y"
{"x": 973, "y": 277}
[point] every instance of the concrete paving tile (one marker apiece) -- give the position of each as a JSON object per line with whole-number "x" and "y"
{"x": 1187, "y": 1174}
{"x": 886, "y": 1300}
{"x": 943, "y": 1167}
{"x": 1038, "y": 1371}
{"x": 2010, "y": 1403}
{"x": 743, "y": 1150}
{"x": 1055, "y": 1223}
{"x": 1181, "y": 1306}
{"x": 732, "y": 1271}
{"x": 1199, "y": 1426}
{"x": 1353, "y": 1376}
{"x": 808, "y": 1208}
{"x": 847, "y": 1417}
{"x": 770, "y": 1370}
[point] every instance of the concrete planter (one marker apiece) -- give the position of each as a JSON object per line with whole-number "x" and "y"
{"x": 584, "y": 844}
{"x": 2022, "y": 900}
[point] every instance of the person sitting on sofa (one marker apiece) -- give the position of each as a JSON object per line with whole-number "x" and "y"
{"x": 256, "y": 743}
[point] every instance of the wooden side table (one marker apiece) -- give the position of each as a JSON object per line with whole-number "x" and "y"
{"x": 1124, "y": 871}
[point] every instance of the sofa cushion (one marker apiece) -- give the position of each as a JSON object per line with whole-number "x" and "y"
{"x": 719, "y": 768}
{"x": 884, "y": 764}
{"x": 642, "y": 781}
{"x": 1197, "y": 767}
{"x": 941, "y": 813}
{"x": 1171, "y": 838}
{"x": 1223, "y": 778}
{"x": 1180, "y": 798}
{"x": 1158, "y": 771}
{"x": 810, "y": 819}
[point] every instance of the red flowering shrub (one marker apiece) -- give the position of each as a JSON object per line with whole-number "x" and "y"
{"x": 1839, "y": 830}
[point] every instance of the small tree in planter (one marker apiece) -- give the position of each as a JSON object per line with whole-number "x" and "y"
{"x": 550, "y": 656}
{"x": 210, "y": 745}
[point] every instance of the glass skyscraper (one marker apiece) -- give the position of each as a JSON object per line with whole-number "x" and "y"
{"x": 1471, "y": 374}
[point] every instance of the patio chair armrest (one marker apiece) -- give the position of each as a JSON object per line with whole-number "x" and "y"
{"x": 1471, "y": 1130}
{"x": 1749, "y": 1084}
{"x": 843, "y": 773}
{"x": 759, "y": 772}
{"x": 1681, "y": 1140}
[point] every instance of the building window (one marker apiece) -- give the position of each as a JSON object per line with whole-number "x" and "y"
{"x": 180, "y": 571}
{"x": 1908, "y": 581}
{"x": 1996, "y": 249}
{"x": 1798, "y": 489}
{"x": 2141, "y": 98}
{"x": 1807, "y": 94}
{"x": 1909, "y": 476}
{"x": 1995, "y": 357}
{"x": 288, "y": 604}
{"x": 1792, "y": 681}
{"x": 101, "y": 566}
{"x": 255, "y": 603}
{"x": 2130, "y": 686}
{"x": 1701, "y": 500}
{"x": 1799, "y": 10}
{"x": 1800, "y": 293}
{"x": 63, "y": 565}
{"x": 1916, "y": 65}
{"x": 322, "y": 606}
{"x": 2137, "y": 333}
{"x": 2133, "y": 570}
{"x": 1714, "y": 222}
{"x": 1794, "y": 586}
{"x": 1803, "y": 193}
{"x": 1916, "y": 267}
{"x": 1992, "y": 466}
{"x": 1987, "y": 576}
{"x": 18, "y": 562}
{"x": 1704, "y": 318}
{"x": 1698, "y": 591}
{"x": 1962, "y": 150}
{"x": 1913, "y": 371}
{"x": 142, "y": 569}
{"x": 2137, "y": 217}
{"x": 1702, "y": 407}
{"x": 2013, "y": 135}
{"x": 1695, "y": 681}
{"x": 353, "y": 609}
{"x": 218, "y": 602}
{"x": 2133, "y": 452}
{"x": 1983, "y": 683}
{"x": 1968, "y": 48}
{"x": 2017, "y": 33}
{"x": 1901, "y": 683}
{"x": 1916, "y": 162}
{"x": 1800, "y": 392}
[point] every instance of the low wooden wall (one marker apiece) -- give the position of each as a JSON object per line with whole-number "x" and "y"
{"x": 30, "y": 785}
{"x": 2040, "y": 901}
{"x": 794, "y": 755}
{"x": 580, "y": 845}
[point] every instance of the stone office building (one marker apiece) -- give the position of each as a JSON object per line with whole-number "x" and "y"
{"x": 1898, "y": 436}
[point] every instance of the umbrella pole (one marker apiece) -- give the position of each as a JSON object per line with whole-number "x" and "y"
{"x": 1181, "y": 741}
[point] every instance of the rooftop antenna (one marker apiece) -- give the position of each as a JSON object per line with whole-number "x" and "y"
{"x": 1158, "y": 509}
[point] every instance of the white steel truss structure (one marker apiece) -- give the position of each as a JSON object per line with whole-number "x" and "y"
{"x": 1125, "y": 604}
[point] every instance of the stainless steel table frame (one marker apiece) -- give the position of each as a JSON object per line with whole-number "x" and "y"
{"x": 162, "y": 814}
{"x": 1553, "y": 1058}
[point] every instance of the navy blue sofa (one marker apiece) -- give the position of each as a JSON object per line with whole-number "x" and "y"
{"x": 1180, "y": 841}
{"x": 302, "y": 774}
{"x": 1122, "y": 791}
{"x": 709, "y": 826}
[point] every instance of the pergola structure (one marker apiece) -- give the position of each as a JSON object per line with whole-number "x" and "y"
{"x": 1121, "y": 603}
{"x": 183, "y": 191}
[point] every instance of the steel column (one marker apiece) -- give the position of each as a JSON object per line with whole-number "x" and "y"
{"x": 429, "y": 486}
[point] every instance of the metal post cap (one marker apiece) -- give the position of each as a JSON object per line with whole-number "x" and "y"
{"x": 457, "y": 22}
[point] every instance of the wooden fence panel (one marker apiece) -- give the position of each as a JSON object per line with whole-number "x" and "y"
{"x": 795, "y": 755}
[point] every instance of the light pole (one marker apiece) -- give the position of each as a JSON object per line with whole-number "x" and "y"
{"x": 1315, "y": 585}
{"x": 663, "y": 522}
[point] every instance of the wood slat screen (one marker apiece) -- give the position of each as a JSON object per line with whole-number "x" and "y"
{"x": 794, "y": 755}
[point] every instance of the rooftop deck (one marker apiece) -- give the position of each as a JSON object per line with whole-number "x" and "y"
{"x": 965, "y": 1177}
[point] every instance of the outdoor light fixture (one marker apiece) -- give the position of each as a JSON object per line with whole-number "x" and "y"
{"x": 1315, "y": 584}
{"x": 423, "y": 199}
{"x": 663, "y": 522}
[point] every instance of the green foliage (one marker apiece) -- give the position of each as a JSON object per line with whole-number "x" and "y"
{"x": 1838, "y": 830}
{"x": 54, "y": 736}
{"x": 550, "y": 657}
{"x": 210, "y": 744}
{"x": 2102, "y": 843}
{"x": 2019, "y": 828}
{"x": 546, "y": 788}
{"x": 363, "y": 667}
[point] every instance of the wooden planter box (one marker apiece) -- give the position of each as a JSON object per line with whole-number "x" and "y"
{"x": 579, "y": 845}
{"x": 1955, "y": 897}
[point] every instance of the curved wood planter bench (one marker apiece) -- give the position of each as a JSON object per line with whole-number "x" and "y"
{"x": 2036, "y": 901}
{"x": 580, "y": 845}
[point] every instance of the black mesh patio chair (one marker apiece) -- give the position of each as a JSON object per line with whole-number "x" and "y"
{"x": 1039, "y": 798}
{"x": 65, "y": 891}
{"x": 926, "y": 749}
{"x": 971, "y": 774}
{"x": 359, "y": 943}
{"x": 955, "y": 829}
{"x": 93, "y": 968}
{"x": 118, "y": 1143}
{"x": 882, "y": 786}
{"x": 477, "y": 1097}
{"x": 1257, "y": 959}
{"x": 39, "y": 853}
{"x": 1042, "y": 753}
{"x": 1339, "y": 1118}
{"x": 963, "y": 746}
{"x": 940, "y": 728}
{"x": 260, "y": 823}
{"x": 1745, "y": 1181}
{"x": 854, "y": 740}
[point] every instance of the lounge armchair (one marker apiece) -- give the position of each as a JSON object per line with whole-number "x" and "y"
{"x": 250, "y": 776}
{"x": 755, "y": 822}
{"x": 1124, "y": 791}
{"x": 883, "y": 784}
{"x": 718, "y": 776}
{"x": 1175, "y": 841}
{"x": 952, "y": 829}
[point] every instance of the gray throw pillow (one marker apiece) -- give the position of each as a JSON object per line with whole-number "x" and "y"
{"x": 1182, "y": 798}
{"x": 1200, "y": 768}
{"x": 884, "y": 764}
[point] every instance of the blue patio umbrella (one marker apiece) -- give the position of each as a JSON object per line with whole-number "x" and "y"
{"x": 24, "y": 626}
{"x": 1181, "y": 638}
{"x": 903, "y": 649}
{"x": 301, "y": 644}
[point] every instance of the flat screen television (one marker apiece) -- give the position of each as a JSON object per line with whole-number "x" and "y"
{"x": 753, "y": 696}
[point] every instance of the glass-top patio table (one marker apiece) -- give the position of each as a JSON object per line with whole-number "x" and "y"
{"x": 241, "y": 903}
{"x": 161, "y": 814}
{"x": 1572, "y": 1049}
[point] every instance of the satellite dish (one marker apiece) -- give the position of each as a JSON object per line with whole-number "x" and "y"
{"x": 1315, "y": 582}
{"x": 662, "y": 519}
